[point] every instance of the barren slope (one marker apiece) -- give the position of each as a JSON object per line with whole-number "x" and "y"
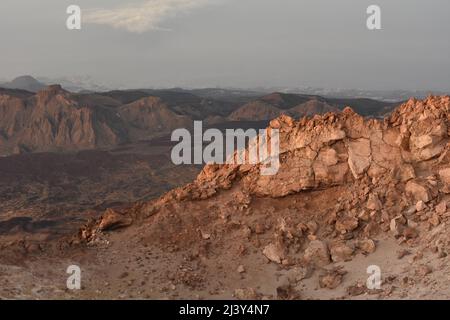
{"x": 351, "y": 192}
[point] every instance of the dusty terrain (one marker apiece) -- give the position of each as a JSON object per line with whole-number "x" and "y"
{"x": 351, "y": 193}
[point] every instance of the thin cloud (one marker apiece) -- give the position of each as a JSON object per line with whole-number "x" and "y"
{"x": 142, "y": 17}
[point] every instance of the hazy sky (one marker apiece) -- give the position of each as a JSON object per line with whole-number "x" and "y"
{"x": 239, "y": 43}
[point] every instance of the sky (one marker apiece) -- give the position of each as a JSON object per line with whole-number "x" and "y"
{"x": 231, "y": 43}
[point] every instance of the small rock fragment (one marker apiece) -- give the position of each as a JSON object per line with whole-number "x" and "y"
{"x": 397, "y": 224}
{"x": 410, "y": 233}
{"x": 112, "y": 220}
{"x": 403, "y": 253}
{"x": 341, "y": 252}
{"x": 434, "y": 220}
{"x": 317, "y": 253}
{"x": 423, "y": 270}
{"x": 287, "y": 292}
{"x": 441, "y": 208}
{"x": 356, "y": 290}
{"x": 420, "y": 206}
{"x": 332, "y": 279}
{"x": 346, "y": 224}
{"x": 367, "y": 246}
{"x": 274, "y": 253}
{"x": 374, "y": 203}
{"x": 246, "y": 294}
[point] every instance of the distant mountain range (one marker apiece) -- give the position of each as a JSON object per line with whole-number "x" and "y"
{"x": 54, "y": 119}
{"x": 27, "y": 83}
{"x": 381, "y": 95}
{"x": 75, "y": 84}
{"x": 85, "y": 84}
{"x": 298, "y": 105}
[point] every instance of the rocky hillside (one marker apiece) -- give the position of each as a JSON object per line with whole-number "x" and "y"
{"x": 297, "y": 106}
{"x": 334, "y": 149}
{"x": 53, "y": 120}
{"x": 150, "y": 116}
{"x": 346, "y": 187}
{"x": 255, "y": 110}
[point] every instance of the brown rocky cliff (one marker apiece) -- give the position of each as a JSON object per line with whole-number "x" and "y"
{"x": 263, "y": 110}
{"x": 331, "y": 149}
{"x": 255, "y": 111}
{"x": 339, "y": 148}
{"x": 343, "y": 183}
{"x": 150, "y": 116}
{"x": 54, "y": 120}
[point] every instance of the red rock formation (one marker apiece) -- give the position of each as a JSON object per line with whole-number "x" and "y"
{"x": 406, "y": 150}
{"x": 54, "y": 120}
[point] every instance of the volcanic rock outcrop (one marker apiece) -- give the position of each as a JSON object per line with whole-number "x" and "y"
{"x": 369, "y": 172}
{"x": 54, "y": 120}
{"x": 351, "y": 193}
{"x": 336, "y": 148}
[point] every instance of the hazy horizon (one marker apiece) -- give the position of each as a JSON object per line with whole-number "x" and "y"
{"x": 231, "y": 44}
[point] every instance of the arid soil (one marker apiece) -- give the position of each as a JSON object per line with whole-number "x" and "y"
{"x": 57, "y": 192}
{"x": 351, "y": 193}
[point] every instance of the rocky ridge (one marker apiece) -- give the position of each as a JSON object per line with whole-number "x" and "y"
{"x": 338, "y": 148}
{"x": 351, "y": 192}
{"x": 344, "y": 181}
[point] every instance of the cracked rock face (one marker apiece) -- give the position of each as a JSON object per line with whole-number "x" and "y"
{"x": 345, "y": 184}
{"x": 390, "y": 164}
{"x": 336, "y": 148}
